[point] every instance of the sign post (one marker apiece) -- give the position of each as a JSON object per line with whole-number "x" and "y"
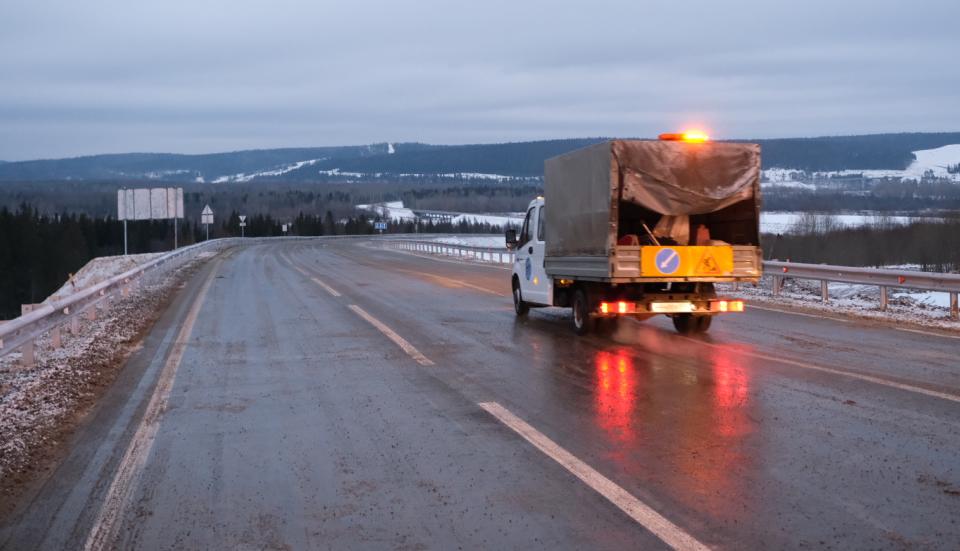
{"x": 243, "y": 224}
{"x": 206, "y": 218}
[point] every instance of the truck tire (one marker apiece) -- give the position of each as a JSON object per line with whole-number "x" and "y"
{"x": 519, "y": 306}
{"x": 688, "y": 324}
{"x": 583, "y": 319}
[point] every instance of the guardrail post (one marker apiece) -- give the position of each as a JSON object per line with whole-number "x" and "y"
{"x": 954, "y": 307}
{"x": 824, "y": 290}
{"x": 92, "y": 312}
{"x": 28, "y": 357}
{"x": 776, "y": 285}
{"x": 884, "y": 298}
{"x": 55, "y": 338}
{"x": 75, "y": 325}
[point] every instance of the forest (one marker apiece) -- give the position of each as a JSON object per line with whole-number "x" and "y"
{"x": 933, "y": 245}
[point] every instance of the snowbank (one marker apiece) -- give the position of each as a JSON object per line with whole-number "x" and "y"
{"x": 100, "y": 269}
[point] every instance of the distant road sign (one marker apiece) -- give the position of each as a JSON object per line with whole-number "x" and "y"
{"x": 380, "y": 226}
{"x": 243, "y": 218}
{"x": 284, "y": 228}
{"x": 150, "y": 204}
{"x": 206, "y": 216}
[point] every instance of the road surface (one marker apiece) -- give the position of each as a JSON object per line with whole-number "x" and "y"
{"x": 332, "y": 395}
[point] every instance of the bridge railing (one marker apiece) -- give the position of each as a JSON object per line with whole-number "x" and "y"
{"x": 65, "y": 313}
{"x": 781, "y": 271}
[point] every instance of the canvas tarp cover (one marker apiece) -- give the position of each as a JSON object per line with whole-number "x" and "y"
{"x": 677, "y": 178}
{"x": 583, "y": 187}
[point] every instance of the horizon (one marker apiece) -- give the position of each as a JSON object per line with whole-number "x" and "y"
{"x": 227, "y": 152}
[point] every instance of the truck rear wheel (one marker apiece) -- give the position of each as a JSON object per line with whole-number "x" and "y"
{"x": 688, "y": 324}
{"x": 583, "y": 319}
{"x": 519, "y": 306}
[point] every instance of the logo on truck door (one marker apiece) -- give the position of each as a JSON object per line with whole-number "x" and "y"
{"x": 668, "y": 260}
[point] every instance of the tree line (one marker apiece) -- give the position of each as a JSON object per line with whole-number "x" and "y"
{"x": 933, "y": 245}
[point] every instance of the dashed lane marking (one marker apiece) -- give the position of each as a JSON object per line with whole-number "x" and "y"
{"x": 107, "y": 523}
{"x": 326, "y": 287}
{"x": 668, "y": 532}
{"x": 316, "y": 280}
{"x": 392, "y": 335}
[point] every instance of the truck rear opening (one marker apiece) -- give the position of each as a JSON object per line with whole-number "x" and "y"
{"x": 641, "y": 228}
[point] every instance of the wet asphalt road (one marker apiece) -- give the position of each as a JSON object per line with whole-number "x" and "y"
{"x": 294, "y": 422}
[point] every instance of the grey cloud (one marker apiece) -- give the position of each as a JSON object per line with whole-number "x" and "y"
{"x": 112, "y": 76}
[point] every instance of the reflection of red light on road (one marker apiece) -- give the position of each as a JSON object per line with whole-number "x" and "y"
{"x": 616, "y": 393}
{"x": 731, "y": 394}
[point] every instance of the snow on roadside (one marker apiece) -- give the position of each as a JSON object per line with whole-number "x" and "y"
{"x": 39, "y": 405}
{"x": 100, "y": 269}
{"x": 862, "y": 301}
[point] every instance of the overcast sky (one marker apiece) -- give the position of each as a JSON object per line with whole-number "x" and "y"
{"x": 192, "y": 76}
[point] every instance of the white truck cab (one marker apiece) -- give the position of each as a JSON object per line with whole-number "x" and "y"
{"x": 530, "y": 279}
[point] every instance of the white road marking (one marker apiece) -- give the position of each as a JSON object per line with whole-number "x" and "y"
{"x": 107, "y": 523}
{"x": 392, "y": 335}
{"x": 753, "y": 306}
{"x": 928, "y": 333}
{"x": 670, "y": 533}
{"x": 326, "y": 287}
{"x": 846, "y": 320}
{"x": 850, "y": 374}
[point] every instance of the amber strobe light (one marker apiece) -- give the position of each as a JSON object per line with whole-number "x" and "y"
{"x": 691, "y": 136}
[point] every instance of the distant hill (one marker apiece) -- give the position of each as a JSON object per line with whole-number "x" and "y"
{"x": 519, "y": 159}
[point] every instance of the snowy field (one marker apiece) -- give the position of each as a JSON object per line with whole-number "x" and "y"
{"x": 396, "y": 212}
{"x": 785, "y": 222}
{"x": 770, "y": 222}
{"x": 928, "y": 162}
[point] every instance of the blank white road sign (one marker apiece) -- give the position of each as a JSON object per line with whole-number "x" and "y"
{"x": 206, "y": 216}
{"x": 149, "y": 204}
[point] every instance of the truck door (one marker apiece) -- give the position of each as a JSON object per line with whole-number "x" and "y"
{"x": 534, "y": 283}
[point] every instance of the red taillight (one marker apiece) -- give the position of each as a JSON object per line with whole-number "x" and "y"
{"x": 723, "y": 306}
{"x": 736, "y": 306}
{"x": 604, "y": 308}
{"x": 622, "y": 307}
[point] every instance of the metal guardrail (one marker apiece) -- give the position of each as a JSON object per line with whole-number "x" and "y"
{"x": 825, "y": 273}
{"x": 22, "y": 332}
{"x": 884, "y": 279}
{"x": 489, "y": 254}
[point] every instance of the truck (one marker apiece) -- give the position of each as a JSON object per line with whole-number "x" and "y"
{"x": 638, "y": 228}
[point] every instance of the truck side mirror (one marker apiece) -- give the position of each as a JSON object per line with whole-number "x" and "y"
{"x": 511, "y": 238}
